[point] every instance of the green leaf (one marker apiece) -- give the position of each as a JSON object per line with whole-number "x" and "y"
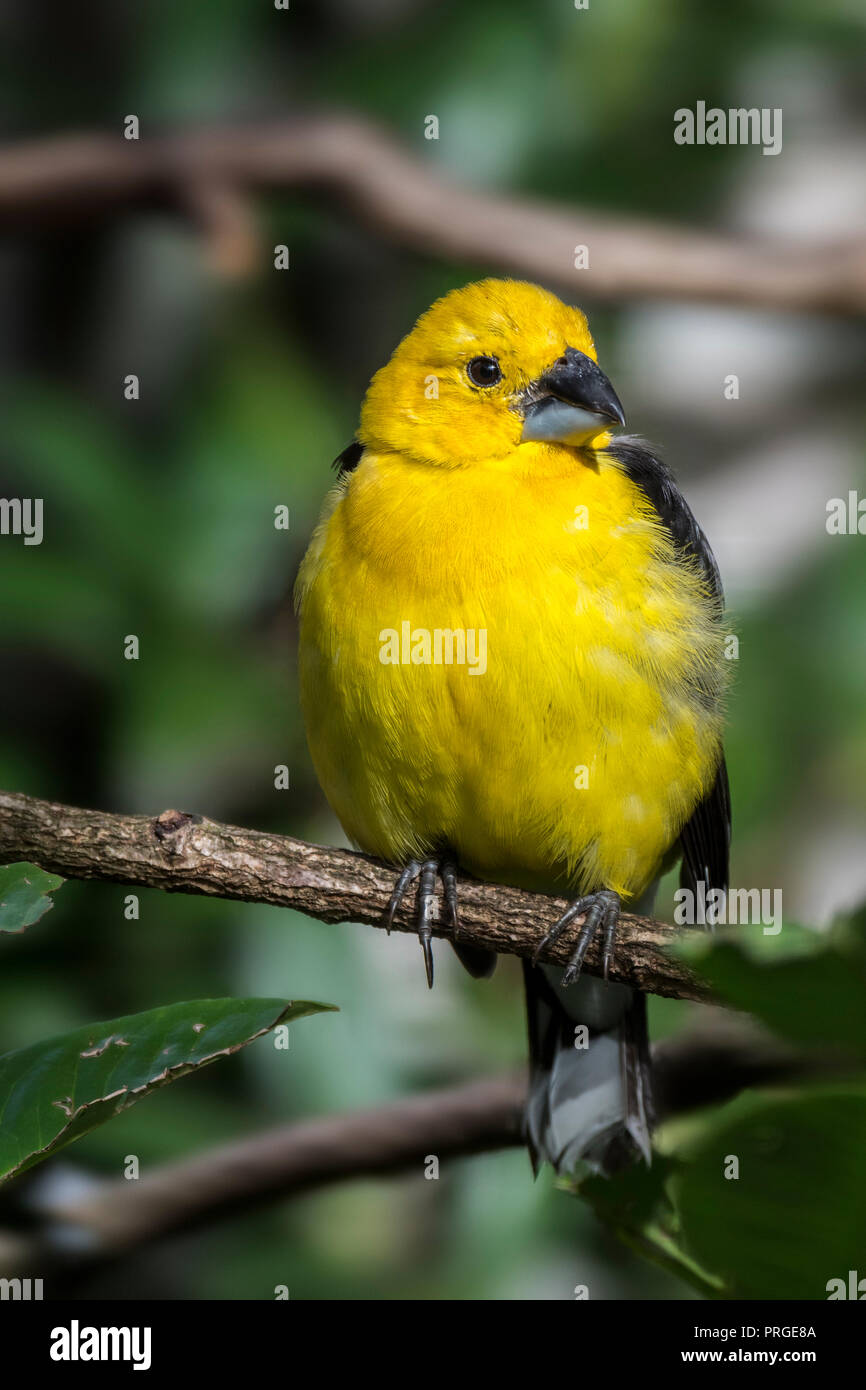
{"x": 632, "y": 1197}
{"x": 809, "y": 988}
{"x": 22, "y": 895}
{"x": 636, "y": 1205}
{"x": 57, "y": 1090}
{"x": 794, "y": 1218}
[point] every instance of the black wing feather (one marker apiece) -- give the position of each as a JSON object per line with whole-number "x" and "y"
{"x": 706, "y": 838}
{"x": 348, "y": 460}
{"x": 659, "y": 485}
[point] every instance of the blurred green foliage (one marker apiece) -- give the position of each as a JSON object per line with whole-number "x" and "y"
{"x": 159, "y": 522}
{"x": 761, "y": 1197}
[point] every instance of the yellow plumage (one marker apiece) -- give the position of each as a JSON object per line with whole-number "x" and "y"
{"x": 575, "y": 758}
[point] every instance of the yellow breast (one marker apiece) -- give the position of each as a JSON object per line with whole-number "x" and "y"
{"x": 515, "y": 665}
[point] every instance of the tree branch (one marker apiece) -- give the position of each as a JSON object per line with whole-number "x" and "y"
{"x": 183, "y": 853}
{"x": 407, "y": 200}
{"x": 705, "y": 1065}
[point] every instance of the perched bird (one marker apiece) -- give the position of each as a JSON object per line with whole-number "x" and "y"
{"x": 511, "y": 663}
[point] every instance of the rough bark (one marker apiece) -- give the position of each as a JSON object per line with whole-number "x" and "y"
{"x": 184, "y": 853}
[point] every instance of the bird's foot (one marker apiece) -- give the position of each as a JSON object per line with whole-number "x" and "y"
{"x": 426, "y": 872}
{"x": 599, "y": 909}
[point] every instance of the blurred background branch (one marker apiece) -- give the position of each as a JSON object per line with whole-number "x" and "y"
{"x": 185, "y": 853}
{"x": 73, "y": 1224}
{"x": 404, "y": 199}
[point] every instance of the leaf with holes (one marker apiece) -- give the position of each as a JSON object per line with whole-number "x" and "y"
{"x": 57, "y": 1090}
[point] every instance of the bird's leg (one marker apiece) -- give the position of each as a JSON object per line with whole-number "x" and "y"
{"x": 599, "y": 909}
{"x": 426, "y": 872}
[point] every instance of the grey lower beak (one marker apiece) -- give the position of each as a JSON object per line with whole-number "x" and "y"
{"x": 572, "y": 401}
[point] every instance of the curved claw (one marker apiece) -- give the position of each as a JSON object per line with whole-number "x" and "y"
{"x": 426, "y": 906}
{"x": 427, "y": 948}
{"x": 575, "y": 910}
{"x": 426, "y": 871}
{"x": 611, "y": 922}
{"x": 597, "y": 909}
{"x": 587, "y": 932}
{"x": 408, "y": 875}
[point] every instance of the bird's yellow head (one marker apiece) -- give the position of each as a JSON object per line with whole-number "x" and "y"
{"x": 486, "y": 369}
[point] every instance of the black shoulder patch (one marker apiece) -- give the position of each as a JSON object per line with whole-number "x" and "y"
{"x": 659, "y": 485}
{"x": 348, "y": 460}
{"x": 706, "y": 838}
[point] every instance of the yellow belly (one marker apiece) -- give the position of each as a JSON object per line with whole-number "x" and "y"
{"x": 574, "y": 757}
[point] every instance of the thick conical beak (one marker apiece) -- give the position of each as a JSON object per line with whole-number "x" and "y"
{"x": 571, "y": 402}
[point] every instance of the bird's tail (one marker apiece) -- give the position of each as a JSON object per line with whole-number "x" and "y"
{"x": 589, "y": 1092}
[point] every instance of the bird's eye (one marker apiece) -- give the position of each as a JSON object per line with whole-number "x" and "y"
{"x": 483, "y": 371}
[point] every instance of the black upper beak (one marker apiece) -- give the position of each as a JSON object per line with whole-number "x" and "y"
{"x": 571, "y": 401}
{"x": 576, "y": 379}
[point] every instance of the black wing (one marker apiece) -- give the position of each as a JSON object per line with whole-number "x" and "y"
{"x": 348, "y": 460}
{"x": 706, "y": 838}
{"x": 659, "y": 485}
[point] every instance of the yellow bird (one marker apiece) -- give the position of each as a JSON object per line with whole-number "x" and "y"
{"x": 511, "y": 662}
